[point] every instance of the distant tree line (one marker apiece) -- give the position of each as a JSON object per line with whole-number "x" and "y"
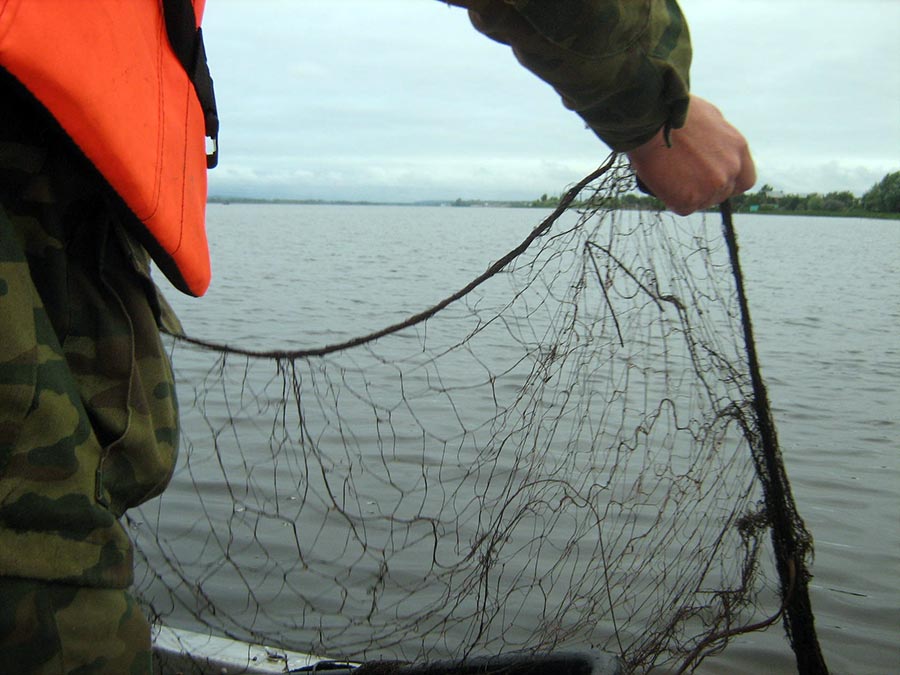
{"x": 881, "y": 198}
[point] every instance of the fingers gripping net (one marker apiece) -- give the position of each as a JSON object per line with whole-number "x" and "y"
{"x": 558, "y": 458}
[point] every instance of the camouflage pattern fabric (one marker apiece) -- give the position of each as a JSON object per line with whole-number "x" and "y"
{"x": 622, "y": 65}
{"x": 88, "y": 418}
{"x": 52, "y": 629}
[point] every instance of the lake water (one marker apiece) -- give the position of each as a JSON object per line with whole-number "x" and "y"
{"x": 823, "y": 294}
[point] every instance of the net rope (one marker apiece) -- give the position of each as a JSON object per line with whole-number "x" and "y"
{"x": 565, "y": 454}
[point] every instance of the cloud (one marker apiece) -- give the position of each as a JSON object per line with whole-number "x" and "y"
{"x": 814, "y": 85}
{"x": 403, "y": 97}
{"x": 402, "y": 179}
{"x": 826, "y": 177}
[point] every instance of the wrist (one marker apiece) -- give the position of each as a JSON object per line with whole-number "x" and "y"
{"x": 659, "y": 141}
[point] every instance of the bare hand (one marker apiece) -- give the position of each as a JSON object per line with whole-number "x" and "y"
{"x": 709, "y": 161}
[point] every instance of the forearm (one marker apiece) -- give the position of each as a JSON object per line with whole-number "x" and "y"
{"x": 622, "y": 65}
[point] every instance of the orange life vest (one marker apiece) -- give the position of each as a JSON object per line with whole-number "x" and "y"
{"x": 105, "y": 69}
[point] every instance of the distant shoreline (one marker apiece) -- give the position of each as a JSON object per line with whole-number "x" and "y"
{"x": 457, "y": 203}
{"x": 867, "y": 215}
{"x": 508, "y": 204}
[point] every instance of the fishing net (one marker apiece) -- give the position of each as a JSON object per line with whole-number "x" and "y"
{"x": 565, "y": 454}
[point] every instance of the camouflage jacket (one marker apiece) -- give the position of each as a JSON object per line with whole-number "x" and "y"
{"x": 620, "y": 64}
{"x": 88, "y": 416}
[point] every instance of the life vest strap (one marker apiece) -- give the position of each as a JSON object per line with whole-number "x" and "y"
{"x": 186, "y": 39}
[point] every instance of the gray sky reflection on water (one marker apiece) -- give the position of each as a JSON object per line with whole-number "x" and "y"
{"x": 397, "y": 100}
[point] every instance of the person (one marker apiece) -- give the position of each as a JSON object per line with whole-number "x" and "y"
{"x": 95, "y": 179}
{"x": 623, "y": 66}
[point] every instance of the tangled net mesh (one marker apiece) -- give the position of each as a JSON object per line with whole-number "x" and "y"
{"x": 562, "y": 457}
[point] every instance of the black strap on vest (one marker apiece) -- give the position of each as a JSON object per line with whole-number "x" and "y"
{"x": 187, "y": 43}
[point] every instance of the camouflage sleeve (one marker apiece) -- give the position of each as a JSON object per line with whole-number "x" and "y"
{"x": 622, "y": 65}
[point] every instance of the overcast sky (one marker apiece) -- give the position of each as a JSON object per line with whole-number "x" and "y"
{"x": 395, "y": 100}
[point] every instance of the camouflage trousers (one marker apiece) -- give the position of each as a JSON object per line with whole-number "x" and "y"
{"x": 53, "y": 629}
{"x": 88, "y": 418}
